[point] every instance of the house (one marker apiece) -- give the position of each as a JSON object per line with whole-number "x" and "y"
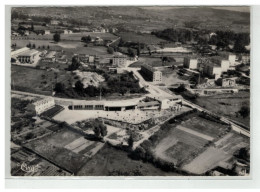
{"x": 174, "y": 103}
{"x": 26, "y": 33}
{"x": 50, "y": 57}
{"x": 62, "y": 59}
{"x": 42, "y": 105}
{"x": 190, "y": 63}
{"x": 151, "y": 74}
{"x": 98, "y": 41}
{"x": 91, "y": 59}
{"x": 55, "y": 22}
{"x": 244, "y": 58}
{"x": 83, "y": 58}
{"x": 67, "y": 31}
{"x": 119, "y": 60}
{"x": 47, "y": 32}
{"x": 228, "y": 82}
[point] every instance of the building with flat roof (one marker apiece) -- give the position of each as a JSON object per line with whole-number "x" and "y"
{"x": 190, "y": 63}
{"x": 224, "y": 63}
{"x": 229, "y": 56}
{"x": 119, "y": 60}
{"x": 212, "y": 69}
{"x": 50, "y": 57}
{"x": 151, "y": 74}
{"x": 42, "y": 105}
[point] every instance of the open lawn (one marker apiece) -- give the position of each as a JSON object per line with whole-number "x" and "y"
{"x": 113, "y": 162}
{"x": 36, "y": 80}
{"x": 227, "y": 105}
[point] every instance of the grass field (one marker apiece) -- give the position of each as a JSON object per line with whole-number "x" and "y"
{"x": 141, "y": 38}
{"x": 110, "y": 161}
{"x": 227, "y": 105}
{"x": 66, "y": 148}
{"x": 36, "y": 80}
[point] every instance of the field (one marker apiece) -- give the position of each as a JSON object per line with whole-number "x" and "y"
{"x": 66, "y": 149}
{"x": 152, "y": 61}
{"x": 221, "y": 153}
{"x": 35, "y": 80}
{"x": 227, "y": 105}
{"x": 76, "y": 36}
{"x": 188, "y": 139}
{"x": 141, "y": 38}
{"x": 112, "y": 162}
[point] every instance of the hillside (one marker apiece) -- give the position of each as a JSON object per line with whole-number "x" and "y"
{"x": 147, "y": 18}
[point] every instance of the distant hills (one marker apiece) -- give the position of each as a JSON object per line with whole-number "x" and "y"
{"x": 148, "y": 18}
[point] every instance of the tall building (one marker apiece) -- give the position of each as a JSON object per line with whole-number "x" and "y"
{"x": 190, "y": 63}
{"x": 151, "y": 74}
{"x": 119, "y": 60}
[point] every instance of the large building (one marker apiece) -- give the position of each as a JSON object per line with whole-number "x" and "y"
{"x": 229, "y": 56}
{"x": 190, "y": 63}
{"x": 42, "y": 105}
{"x": 212, "y": 70}
{"x": 119, "y": 60}
{"x": 224, "y": 63}
{"x": 24, "y": 55}
{"x": 151, "y": 74}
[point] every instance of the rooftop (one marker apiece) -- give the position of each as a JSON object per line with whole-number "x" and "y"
{"x": 29, "y": 53}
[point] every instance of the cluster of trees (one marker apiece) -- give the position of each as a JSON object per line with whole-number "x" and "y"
{"x": 110, "y": 50}
{"x": 56, "y": 37}
{"x": 86, "y": 39}
{"x": 100, "y": 130}
{"x": 122, "y": 84}
{"x": 75, "y": 64}
{"x": 176, "y": 35}
{"x": 223, "y": 39}
{"x": 244, "y": 111}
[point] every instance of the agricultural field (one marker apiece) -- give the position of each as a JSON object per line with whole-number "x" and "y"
{"x": 227, "y": 105}
{"x": 42, "y": 167}
{"x": 113, "y": 162}
{"x": 66, "y": 148}
{"x": 152, "y": 61}
{"x": 141, "y": 38}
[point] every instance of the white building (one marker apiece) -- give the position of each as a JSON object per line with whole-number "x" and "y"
{"x": 67, "y": 31}
{"x": 229, "y": 56}
{"x": 47, "y": 32}
{"x": 119, "y": 60}
{"x": 42, "y": 105}
{"x": 224, "y": 63}
{"x": 190, "y": 63}
{"x": 151, "y": 73}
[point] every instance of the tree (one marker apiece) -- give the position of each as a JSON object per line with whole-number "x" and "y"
{"x": 59, "y": 87}
{"x": 33, "y": 46}
{"x": 79, "y": 87}
{"x": 48, "y": 47}
{"x": 100, "y": 130}
{"x": 74, "y": 64}
{"x": 103, "y": 129}
{"x": 56, "y": 37}
{"x": 110, "y": 50}
{"x": 130, "y": 141}
{"x": 32, "y": 27}
{"x": 244, "y": 111}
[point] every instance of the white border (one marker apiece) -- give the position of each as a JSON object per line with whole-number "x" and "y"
{"x": 146, "y": 183}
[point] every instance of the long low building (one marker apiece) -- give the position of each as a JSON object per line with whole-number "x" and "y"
{"x": 124, "y": 105}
